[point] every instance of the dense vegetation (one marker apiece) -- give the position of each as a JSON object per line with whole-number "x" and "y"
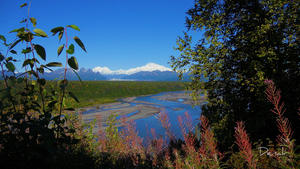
{"x": 98, "y": 92}
{"x": 90, "y": 93}
{"x": 35, "y": 130}
{"x": 244, "y": 43}
{"x": 39, "y": 130}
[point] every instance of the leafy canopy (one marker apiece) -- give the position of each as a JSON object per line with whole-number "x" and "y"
{"x": 244, "y": 43}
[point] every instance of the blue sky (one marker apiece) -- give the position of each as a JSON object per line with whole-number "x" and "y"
{"x": 119, "y": 34}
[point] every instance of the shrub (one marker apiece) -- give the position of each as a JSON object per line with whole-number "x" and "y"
{"x": 35, "y": 127}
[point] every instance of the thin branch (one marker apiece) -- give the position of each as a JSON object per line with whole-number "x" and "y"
{"x": 65, "y": 74}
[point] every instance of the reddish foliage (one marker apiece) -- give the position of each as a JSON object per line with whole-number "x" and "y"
{"x": 208, "y": 146}
{"x": 164, "y": 120}
{"x": 242, "y": 140}
{"x": 284, "y": 127}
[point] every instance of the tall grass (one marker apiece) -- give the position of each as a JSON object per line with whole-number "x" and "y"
{"x": 125, "y": 149}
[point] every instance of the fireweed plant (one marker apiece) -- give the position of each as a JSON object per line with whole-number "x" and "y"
{"x": 192, "y": 152}
{"x": 37, "y": 130}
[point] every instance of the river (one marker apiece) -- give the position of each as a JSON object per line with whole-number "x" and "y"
{"x": 143, "y": 110}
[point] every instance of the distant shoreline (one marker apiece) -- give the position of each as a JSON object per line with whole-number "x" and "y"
{"x": 93, "y": 93}
{"x": 138, "y": 111}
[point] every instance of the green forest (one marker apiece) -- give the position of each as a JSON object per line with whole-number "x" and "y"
{"x": 247, "y": 64}
{"x": 91, "y": 93}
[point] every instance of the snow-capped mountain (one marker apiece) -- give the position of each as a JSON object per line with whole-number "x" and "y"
{"x": 153, "y": 76}
{"x": 148, "y": 72}
{"x": 150, "y": 67}
{"x": 85, "y": 74}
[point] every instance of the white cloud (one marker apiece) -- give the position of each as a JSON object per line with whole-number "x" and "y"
{"x": 150, "y": 67}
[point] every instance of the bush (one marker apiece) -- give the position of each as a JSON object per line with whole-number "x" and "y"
{"x": 35, "y": 127}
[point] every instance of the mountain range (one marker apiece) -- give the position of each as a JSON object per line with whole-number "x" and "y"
{"x": 148, "y": 72}
{"x": 89, "y": 74}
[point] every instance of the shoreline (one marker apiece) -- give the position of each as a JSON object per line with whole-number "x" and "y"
{"x": 120, "y": 100}
{"x": 133, "y": 109}
{"x": 117, "y": 100}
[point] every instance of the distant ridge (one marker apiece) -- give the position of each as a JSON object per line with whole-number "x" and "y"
{"x": 148, "y": 72}
{"x": 149, "y": 67}
{"x": 85, "y": 74}
{"x": 153, "y": 76}
{"x": 88, "y": 74}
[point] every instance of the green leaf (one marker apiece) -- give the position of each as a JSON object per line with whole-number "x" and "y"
{"x": 71, "y": 49}
{"x": 18, "y": 30}
{"x": 28, "y": 62}
{"x": 13, "y": 52}
{"x": 77, "y": 75}
{"x": 25, "y": 4}
{"x": 9, "y": 59}
{"x": 35, "y": 60}
{"x": 57, "y": 29}
{"x": 73, "y": 63}
{"x": 40, "y": 51}
{"x": 60, "y": 35}
{"x": 24, "y": 20}
{"x": 15, "y": 43}
{"x": 54, "y": 64}
{"x": 73, "y": 96}
{"x": 27, "y": 50}
{"x": 44, "y": 66}
{"x": 79, "y": 42}
{"x": 27, "y": 36}
{"x": 33, "y": 21}
{"x": 10, "y": 66}
{"x": 60, "y": 49}
{"x": 3, "y": 38}
{"x": 40, "y": 32}
{"x": 74, "y": 27}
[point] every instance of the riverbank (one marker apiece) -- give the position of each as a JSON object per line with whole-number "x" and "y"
{"x": 93, "y": 93}
{"x": 134, "y": 108}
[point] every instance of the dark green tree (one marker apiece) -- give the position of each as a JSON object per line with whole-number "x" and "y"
{"x": 244, "y": 42}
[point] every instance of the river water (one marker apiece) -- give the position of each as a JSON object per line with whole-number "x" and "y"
{"x": 174, "y": 104}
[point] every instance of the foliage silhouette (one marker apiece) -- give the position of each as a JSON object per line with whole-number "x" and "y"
{"x": 35, "y": 129}
{"x": 244, "y": 43}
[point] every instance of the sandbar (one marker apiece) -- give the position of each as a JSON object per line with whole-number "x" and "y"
{"x": 133, "y": 109}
